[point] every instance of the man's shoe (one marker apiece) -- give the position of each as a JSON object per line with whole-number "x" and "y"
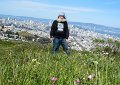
{"x": 67, "y": 52}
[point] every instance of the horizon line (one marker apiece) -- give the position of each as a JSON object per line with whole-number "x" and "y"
{"x": 54, "y": 19}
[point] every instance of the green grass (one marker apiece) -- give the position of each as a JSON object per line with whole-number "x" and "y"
{"x": 34, "y": 64}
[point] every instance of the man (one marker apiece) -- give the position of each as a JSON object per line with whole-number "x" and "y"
{"x": 59, "y": 33}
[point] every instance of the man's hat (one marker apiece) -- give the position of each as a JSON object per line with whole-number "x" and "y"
{"x": 62, "y": 14}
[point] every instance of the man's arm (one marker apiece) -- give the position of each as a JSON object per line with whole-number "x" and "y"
{"x": 52, "y": 29}
{"x": 67, "y": 30}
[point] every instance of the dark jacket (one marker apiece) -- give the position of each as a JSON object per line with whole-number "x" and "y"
{"x": 59, "y": 32}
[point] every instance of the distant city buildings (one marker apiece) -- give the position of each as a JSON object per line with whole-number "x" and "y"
{"x": 80, "y": 39}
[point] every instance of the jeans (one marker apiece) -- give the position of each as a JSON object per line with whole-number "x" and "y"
{"x": 57, "y": 42}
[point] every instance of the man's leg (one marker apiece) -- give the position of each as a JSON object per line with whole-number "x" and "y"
{"x": 65, "y": 45}
{"x": 56, "y": 45}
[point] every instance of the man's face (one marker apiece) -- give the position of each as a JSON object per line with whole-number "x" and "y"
{"x": 61, "y": 17}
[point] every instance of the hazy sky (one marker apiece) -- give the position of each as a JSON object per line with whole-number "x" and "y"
{"x": 105, "y": 12}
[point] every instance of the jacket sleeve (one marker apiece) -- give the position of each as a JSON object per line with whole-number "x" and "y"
{"x": 52, "y": 29}
{"x": 67, "y": 30}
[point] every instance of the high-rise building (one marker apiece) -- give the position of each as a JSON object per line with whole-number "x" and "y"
{"x": 8, "y": 18}
{"x": 50, "y": 23}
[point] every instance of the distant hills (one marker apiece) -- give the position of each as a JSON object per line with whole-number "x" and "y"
{"x": 87, "y": 26}
{"x": 21, "y": 18}
{"x": 98, "y": 28}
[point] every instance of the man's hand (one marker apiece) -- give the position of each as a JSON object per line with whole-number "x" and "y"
{"x": 67, "y": 40}
{"x": 51, "y": 39}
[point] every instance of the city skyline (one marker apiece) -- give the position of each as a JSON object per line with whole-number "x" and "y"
{"x": 104, "y": 12}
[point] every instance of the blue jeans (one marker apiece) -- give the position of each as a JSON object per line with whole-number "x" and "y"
{"x": 57, "y": 42}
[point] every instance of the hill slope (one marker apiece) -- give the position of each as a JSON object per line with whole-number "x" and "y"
{"x": 34, "y": 64}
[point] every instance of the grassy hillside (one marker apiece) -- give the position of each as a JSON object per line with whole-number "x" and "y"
{"x": 34, "y": 64}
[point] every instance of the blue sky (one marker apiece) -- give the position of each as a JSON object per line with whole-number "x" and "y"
{"x": 104, "y": 12}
